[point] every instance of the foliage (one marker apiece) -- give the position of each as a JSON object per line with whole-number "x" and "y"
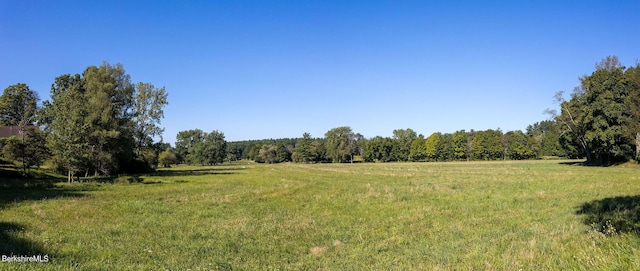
{"x": 431, "y": 147}
{"x": 148, "y": 102}
{"x": 168, "y": 158}
{"x": 404, "y": 138}
{"x": 67, "y": 126}
{"x": 302, "y": 151}
{"x": 341, "y": 144}
{"x": 418, "y": 151}
{"x": 599, "y": 118}
{"x": 380, "y": 149}
{"x": 18, "y": 106}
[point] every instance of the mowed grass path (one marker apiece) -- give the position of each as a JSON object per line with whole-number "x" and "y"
{"x": 395, "y": 216}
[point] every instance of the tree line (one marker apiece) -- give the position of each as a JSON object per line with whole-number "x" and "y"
{"x": 99, "y": 123}
{"x": 342, "y": 144}
{"x": 96, "y": 123}
{"x": 600, "y": 122}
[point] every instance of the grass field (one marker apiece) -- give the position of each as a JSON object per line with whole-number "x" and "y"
{"x": 531, "y": 215}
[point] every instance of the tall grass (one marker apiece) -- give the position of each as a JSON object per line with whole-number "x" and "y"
{"x": 396, "y": 216}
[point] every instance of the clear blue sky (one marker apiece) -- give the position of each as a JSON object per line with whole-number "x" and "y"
{"x": 273, "y": 69}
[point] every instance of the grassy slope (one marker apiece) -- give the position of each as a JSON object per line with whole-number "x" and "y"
{"x": 477, "y": 215}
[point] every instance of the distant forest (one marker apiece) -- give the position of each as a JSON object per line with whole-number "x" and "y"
{"x": 99, "y": 123}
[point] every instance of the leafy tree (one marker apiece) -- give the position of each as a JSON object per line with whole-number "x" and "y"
{"x": 18, "y": 105}
{"x": 418, "y": 150}
{"x": 67, "y": 125}
{"x": 268, "y": 154}
{"x": 282, "y": 153}
{"x": 109, "y": 96}
{"x": 519, "y": 145}
{"x": 168, "y": 158}
{"x": 431, "y": 146}
{"x": 381, "y": 149}
{"x": 341, "y": 144}
{"x": 445, "y": 147}
{"x": 211, "y": 151}
{"x": 185, "y": 141}
{"x": 459, "y": 143}
{"x": 599, "y": 117}
{"x": 318, "y": 151}
{"x": 148, "y": 102}
{"x": 403, "y": 139}
{"x": 487, "y": 145}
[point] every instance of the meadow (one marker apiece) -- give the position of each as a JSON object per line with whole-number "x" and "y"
{"x": 507, "y": 215}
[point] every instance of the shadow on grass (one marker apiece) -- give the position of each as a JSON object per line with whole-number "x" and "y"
{"x": 196, "y": 172}
{"x": 13, "y": 245}
{"x": 14, "y": 179}
{"x": 610, "y": 215}
{"x": 593, "y": 164}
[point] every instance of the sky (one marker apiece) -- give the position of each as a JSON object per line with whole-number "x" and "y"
{"x": 278, "y": 69}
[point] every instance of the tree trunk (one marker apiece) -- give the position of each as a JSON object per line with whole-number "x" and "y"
{"x": 69, "y": 176}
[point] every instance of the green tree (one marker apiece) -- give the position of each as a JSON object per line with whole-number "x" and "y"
{"x": 600, "y": 115}
{"x": 431, "y": 146}
{"x": 185, "y": 141}
{"x": 381, "y": 149}
{"x": 341, "y": 144}
{"x": 418, "y": 150}
{"x": 18, "y": 106}
{"x": 147, "y": 114}
{"x": 445, "y": 148}
{"x": 487, "y": 145}
{"x": 109, "y": 97}
{"x": 168, "y": 157}
{"x": 302, "y": 151}
{"x": 268, "y": 154}
{"x": 460, "y": 139}
{"x": 67, "y": 126}
{"x": 318, "y": 151}
{"x": 213, "y": 149}
{"x": 519, "y": 145}
{"x": 403, "y": 139}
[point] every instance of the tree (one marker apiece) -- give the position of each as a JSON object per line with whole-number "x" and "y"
{"x": 381, "y": 149}
{"x": 341, "y": 144}
{"x": 460, "y": 139}
{"x": 212, "y": 150}
{"x": 519, "y": 145}
{"x": 147, "y": 113}
{"x": 600, "y": 117}
{"x": 431, "y": 146}
{"x": 268, "y": 154}
{"x": 445, "y": 147}
{"x": 168, "y": 158}
{"x": 185, "y": 141}
{"x": 318, "y": 151}
{"x": 418, "y": 150}
{"x": 404, "y": 138}
{"x": 109, "y": 96}
{"x": 68, "y": 128}
{"x": 486, "y": 145}
{"x": 18, "y": 106}
{"x": 302, "y": 151}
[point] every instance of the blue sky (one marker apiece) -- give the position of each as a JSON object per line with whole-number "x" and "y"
{"x": 274, "y": 69}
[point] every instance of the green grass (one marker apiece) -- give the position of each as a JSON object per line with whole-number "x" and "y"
{"x": 532, "y": 215}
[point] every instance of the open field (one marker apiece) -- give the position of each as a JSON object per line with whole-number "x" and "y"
{"x": 527, "y": 215}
